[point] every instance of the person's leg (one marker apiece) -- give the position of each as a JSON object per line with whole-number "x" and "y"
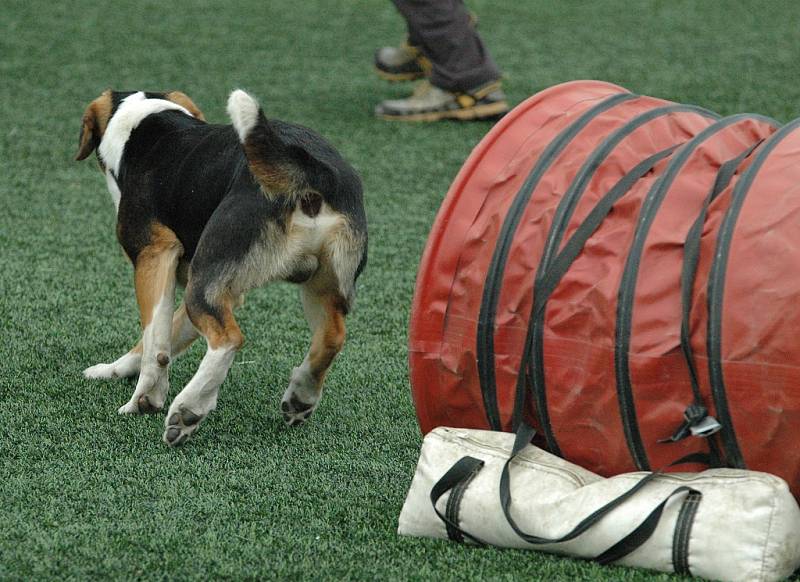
{"x": 401, "y": 63}
{"x": 464, "y": 81}
{"x": 444, "y": 31}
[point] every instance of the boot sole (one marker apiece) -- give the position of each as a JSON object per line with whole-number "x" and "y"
{"x": 398, "y": 77}
{"x": 477, "y": 112}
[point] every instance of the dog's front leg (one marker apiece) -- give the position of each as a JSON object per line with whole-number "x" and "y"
{"x": 123, "y": 367}
{"x": 154, "y": 278}
{"x": 183, "y": 334}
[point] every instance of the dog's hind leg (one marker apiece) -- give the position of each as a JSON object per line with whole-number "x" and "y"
{"x": 155, "y": 278}
{"x": 216, "y": 323}
{"x": 327, "y": 298}
{"x": 231, "y": 258}
{"x": 325, "y": 310}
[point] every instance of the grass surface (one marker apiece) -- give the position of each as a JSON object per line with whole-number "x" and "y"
{"x": 86, "y": 493}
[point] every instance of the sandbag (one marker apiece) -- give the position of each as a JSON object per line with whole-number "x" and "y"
{"x": 619, "y": 272}
{"x": 723, "y": 524}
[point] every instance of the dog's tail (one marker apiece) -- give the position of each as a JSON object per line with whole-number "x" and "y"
{"x": 269, "y": 158}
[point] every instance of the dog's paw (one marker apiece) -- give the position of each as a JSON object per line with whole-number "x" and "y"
{"x": 100, "y": 372}
{"x": 296, "y": 412}
{"x": 131, "y": 407}
{"x": 149, "y": 396}
{"x": 125, "y": 367}
{"x": 180, "y": 425}
{"x": 300, "y": 399}
{"x": 141, "y": 405}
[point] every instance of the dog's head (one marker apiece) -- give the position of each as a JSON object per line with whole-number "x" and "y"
{"x": 99, "y": 112}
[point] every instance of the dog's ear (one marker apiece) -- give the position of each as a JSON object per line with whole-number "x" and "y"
{"x": 183, "y": 100}
{"x": 88, "y": 140}
{"x": 93, "y": 125}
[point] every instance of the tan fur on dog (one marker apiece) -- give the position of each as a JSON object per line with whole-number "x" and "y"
{"x": 95, "y": 120}
{"x": 183, "y": 100}
{"x": 155, "y": 269}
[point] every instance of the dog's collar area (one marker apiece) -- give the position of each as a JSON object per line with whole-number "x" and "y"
{"x": 113, "y": 187}
{"x": 131, "y": 112}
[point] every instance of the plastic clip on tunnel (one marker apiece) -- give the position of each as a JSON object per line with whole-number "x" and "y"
{"x": 619, "y": 272}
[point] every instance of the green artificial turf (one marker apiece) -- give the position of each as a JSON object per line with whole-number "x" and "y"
{"x": 85, "y": 493}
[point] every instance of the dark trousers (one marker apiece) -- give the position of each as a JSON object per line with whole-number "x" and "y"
{"x": 442, "y": 29}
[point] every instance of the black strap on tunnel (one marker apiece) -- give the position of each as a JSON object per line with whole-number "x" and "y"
{"x": 533, "y": 364}
{"x": 563, "y": 261}
{"x": 494, "y": 275}
{"x": 627, "y": 289}
{"x": 533, "y": 375}
{"x": 691, "y": 254}
{"x": 716, "y": 290}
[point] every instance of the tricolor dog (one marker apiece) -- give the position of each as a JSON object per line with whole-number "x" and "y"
{"x": 223, "y": 209}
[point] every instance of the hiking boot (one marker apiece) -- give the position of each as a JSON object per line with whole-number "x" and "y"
{"x": 401, "y": 63}
{"x": 406, "y": 62}
{"x": 430, "y": 103}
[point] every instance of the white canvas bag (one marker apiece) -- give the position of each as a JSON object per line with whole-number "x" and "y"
{"x": 724, "y": 524}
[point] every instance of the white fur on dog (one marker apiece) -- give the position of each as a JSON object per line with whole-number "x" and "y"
{"x": 153, "y": 379}
{"x": 200, "y": 394}
{"x": 113, "y": 189}
{"x": 128, "y": 116}
{"x": 124, "y": 367}
{"x": 243, "y": 111}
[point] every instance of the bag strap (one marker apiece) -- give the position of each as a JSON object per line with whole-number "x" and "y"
{"x": 523, "y": 438}
{"x": 643, "y": 531}
{"x": 453, "y": 507}
{"x": 467, "y": 467}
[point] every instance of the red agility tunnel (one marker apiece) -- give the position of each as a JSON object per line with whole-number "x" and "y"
{"x": 619, "y": 271}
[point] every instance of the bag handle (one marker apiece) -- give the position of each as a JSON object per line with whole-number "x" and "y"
{"x": 462, "y": 471}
